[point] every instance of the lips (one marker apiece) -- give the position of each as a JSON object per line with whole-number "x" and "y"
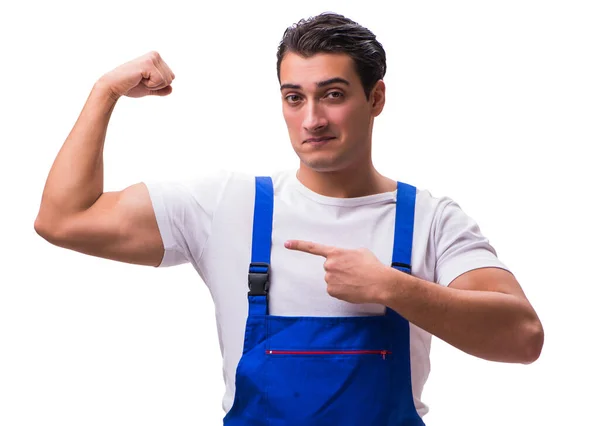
{"x": 321, "y": 139}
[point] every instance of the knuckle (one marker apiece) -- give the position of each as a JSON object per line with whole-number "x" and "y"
{"x": 154, "y": 55}
{"x": 152, "y": 59}
{"x": 148, "y": 62}
{"x": 332, "y": 290}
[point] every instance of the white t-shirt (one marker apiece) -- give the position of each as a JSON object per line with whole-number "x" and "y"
{"x": 208, "y": 222}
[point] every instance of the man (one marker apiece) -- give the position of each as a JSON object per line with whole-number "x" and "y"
{"x": 328, "y": 280}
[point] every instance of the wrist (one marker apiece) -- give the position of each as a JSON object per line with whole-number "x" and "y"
{"x": 103, "y": 89}
{"x": 388, "y": 286}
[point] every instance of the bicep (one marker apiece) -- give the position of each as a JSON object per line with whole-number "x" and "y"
{"x": 465, "y": 259}
{"x": 489, "y": 279}
{"x": 119, "y": 226}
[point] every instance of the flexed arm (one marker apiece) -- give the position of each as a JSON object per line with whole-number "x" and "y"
{"x": 75, "y": 212}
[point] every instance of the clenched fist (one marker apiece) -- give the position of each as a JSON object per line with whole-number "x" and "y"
{"x": 143, "y": 76}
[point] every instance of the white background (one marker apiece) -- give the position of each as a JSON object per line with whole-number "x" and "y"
{"x": 495, "y": 104}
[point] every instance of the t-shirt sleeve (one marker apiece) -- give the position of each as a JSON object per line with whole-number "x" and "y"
{"x": 184, "y": 213}
{"x": 459, "y": 244}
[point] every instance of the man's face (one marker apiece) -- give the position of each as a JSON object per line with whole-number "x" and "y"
{"x": 328, "y": 116}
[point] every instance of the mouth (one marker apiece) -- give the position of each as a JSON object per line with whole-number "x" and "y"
{"x": 318, "y": 141}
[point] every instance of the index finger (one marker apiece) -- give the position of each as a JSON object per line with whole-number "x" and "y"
{"x": 309, "y": 247}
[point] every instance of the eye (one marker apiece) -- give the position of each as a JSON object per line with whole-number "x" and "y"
{"x": 292, "y": 98}
{"x": 334, "y": 95}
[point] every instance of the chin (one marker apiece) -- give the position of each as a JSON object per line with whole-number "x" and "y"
{"x": 323, "y": 164}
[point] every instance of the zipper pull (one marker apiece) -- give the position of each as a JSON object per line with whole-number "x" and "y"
{"x": 383, "y": 354}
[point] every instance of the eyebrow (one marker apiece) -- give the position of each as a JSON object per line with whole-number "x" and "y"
{"x": 319, "y": 84}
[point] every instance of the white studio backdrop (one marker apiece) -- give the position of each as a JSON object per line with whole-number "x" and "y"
{"x": 494, "y": 104}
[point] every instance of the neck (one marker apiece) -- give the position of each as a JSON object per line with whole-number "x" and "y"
{"x": 351, "y": 182}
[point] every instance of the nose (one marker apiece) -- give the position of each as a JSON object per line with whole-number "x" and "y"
{"x": 314, "y": 118}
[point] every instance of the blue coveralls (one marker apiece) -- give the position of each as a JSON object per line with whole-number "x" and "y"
{"x": 323, "y": 371}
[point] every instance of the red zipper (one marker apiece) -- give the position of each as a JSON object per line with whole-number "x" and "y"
{"x": 383, "y": 353}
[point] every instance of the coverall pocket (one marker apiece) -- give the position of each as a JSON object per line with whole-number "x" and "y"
{"x": 325, "y": 387}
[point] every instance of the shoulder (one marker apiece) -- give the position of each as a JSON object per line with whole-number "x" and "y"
{"x": 443, "y": 216}
{"x": 214, "y": 185}
{"x": 200, "y": 186}
{"x": 455, "y": 240}
{"x": 429, "y": 208}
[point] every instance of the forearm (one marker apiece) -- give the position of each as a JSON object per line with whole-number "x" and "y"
{"x": 490, "y": 325}
{"x": 76, "y": 179}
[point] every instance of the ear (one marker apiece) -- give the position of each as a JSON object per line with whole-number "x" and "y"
{"x": 377, "y": 98}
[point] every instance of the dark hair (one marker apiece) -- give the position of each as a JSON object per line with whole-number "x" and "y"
{"x": 334, "y": 33}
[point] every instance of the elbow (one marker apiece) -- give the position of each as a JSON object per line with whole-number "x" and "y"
{"x": 533, "y": 342}
{"x": 46, "y": 230}
{"x": 41, "y": 228}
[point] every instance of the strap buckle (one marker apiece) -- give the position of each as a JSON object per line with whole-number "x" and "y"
{"x": 258, "y": 278}
{"x": 402, "y": 267}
